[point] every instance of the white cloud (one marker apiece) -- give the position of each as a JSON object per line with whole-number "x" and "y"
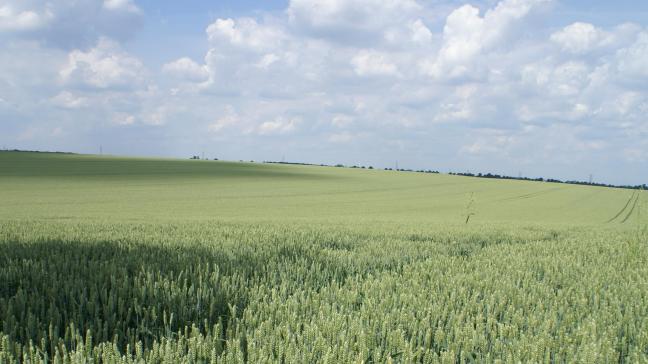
{"x": 22, "y": 20}
{"x": 104, "y": 66}
{"x": 185, "y": 68}
{"x": 557, "y": 91}
{"x": 420, "y": 32}
{"x": 459, "y": 105}
{"x": 636, "y": 154}
{"x": 123, "y": 119}
{"x": 244, "y": 32}
{"x": 158, "y": 116}
{"x": 279, "y": 125}
{"x": 569, "y": 78}
{"x": 344, "y": 137}
{"x": 580, "y": 111}
{"x": 490, "y": 141}
{"x": 627, "y": 101}
{"x": 341, "y": 120}
{"x": 632, "y": 61}
{"x": 580, "y": 37}
{"x": 267, "y": 60}
{"x": 344, "y": 20}
{"x": 409, "y": 34}
{"x": 231, "y": 118}
{"x": 372, "y": 63}
{"x": 68, "y": 100}
{"x": 467, "y": 34}
{"x": 121, "y": 5}
{"x": 70, "y": 24}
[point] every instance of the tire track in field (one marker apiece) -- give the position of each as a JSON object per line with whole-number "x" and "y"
{"x": 632, "y": 196}
{"x": 634, "y": 205}
{"x": 531, "y": 195}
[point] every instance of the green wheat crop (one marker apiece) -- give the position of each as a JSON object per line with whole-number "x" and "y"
{"x": 117, "y": 260}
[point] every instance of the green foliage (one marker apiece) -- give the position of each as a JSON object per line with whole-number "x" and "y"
{"x": 387, "y": 281}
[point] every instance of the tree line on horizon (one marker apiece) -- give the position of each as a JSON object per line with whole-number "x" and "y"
{"x": 550, "y": 180}
{"x": 480, "y": 175}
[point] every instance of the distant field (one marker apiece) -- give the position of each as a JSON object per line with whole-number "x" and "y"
{"x": 55, "y": 186}
{"x": 107, "y": 259}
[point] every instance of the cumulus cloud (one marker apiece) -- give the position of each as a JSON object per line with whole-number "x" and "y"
{"x": 341, "y": 120}
{"x": 121, "y": 5}
{"x": 490, "y": 142}
{"x": 123, "y": 118}
{"x": 344, "y": 137}
{"x": 343, "y": 21}
{"x": 230, "y": 118}
{"x": 566, "y": 79}
{"x": 408, "y": 35}
{"x": 186, "y": 69}
{"x": 632, "y": 60}
{"x": 420, "y": 32}
{"x": 12, "y": 19}
{"x": 372, "y": 63}
{"x": 245, "y": 33}
{"x": 267, "y": 60}
{"x": 279, "y": 125}
{"x": 466, "y": 35}
{"x": 70, "y": 24}
{"x": 580, "y": 37}
{"x": 104, "y": 66}
{"x": 68, "y": 100}
{"x": 460, "y": 105}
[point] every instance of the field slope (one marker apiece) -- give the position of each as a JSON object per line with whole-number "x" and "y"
{"x": 107, "y": 259}
{"x": 55, "y": 186}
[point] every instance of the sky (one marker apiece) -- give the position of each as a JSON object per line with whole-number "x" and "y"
{"x": 539, "y": 88}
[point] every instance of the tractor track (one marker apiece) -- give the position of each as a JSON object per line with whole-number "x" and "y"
{"x": 531, "y": 195}
{"x": 634, "y": 205}
{"x": 632, "y": 196}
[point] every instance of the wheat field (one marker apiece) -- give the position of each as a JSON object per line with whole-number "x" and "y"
{"x": 134, "y": 260}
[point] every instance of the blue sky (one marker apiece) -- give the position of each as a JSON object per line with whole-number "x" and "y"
{"x": 539, "y": 87}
